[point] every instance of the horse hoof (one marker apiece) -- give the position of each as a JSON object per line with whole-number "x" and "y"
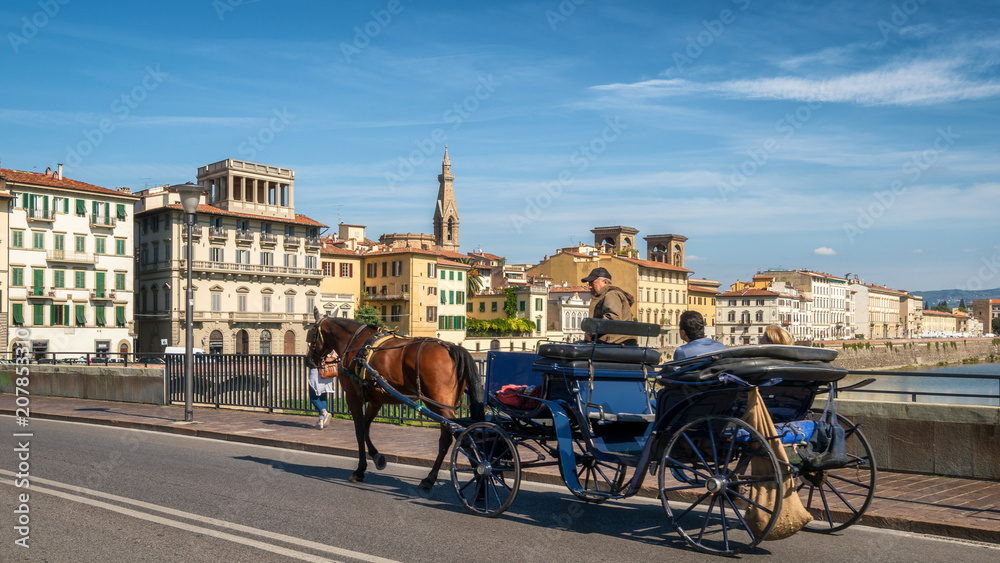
{"x": 356, "y": 478}
{"x": 425, "y": 485}
{"x": 379, "y": 462}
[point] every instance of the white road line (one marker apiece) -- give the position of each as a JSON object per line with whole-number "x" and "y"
{"x": 197, "y": 518}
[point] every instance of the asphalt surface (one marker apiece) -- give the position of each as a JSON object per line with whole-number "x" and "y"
{"x": 950, "y": 507}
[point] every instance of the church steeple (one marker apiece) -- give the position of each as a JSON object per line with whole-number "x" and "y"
{"x": 446, "y": 209}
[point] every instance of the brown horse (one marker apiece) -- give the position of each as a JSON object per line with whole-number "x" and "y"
{"x": 425, "y": 369}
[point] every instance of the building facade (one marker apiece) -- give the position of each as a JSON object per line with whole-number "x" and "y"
{"x": 255, "y": 264}
{"x": 70, "y": 264}
{"x": 985, "y": 311}
{"x": 702, "y": 296}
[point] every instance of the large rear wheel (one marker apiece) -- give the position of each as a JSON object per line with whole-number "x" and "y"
{"x": 708, "y": 475}
{"x": 838, "y": 498}
{"x": 485, "y": 469}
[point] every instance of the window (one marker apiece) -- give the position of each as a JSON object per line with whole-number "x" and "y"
{"x": 493, "y": 307}
{"x": 81, "y": 243}
{"x": 216, "y": 254}
{"x": 431, "y": 270}
{"x": 17, "y": 277}
{"x": 17, "y": 312}
{"x": 451, "y": 297}
{"x": 120, "y": 211}
{"x": 444, "y": 298}
{"x": 732, "y": 316}
{"x": 289, "y": 304}
{"x": 482, "y": 306}
{"x": 759, "y": 316}
{"x": 59, "y": 278}
{"x": 538, "y": 303}
{"x": 443, "y": 274}
{"x": 80, "y": 279}
{"x": 242, "y": 256}
{"x": 38, "y": 241}
{"x": 266, "y": 258}
{"x": 451, "y": 275}
{"x": 291, "y": 260}
{"x": 520, "y": 305}
{"x": 265, "y": 342}
{"x": 397, "y": 268}
{"x": 346, "y": 270}
{"x": 17, "y": 239}
{"x": 371, "y": 270}
{"x": 394, "y": 315}
{"x": 216, "y": 302}
{"x": 120, "y": 315}
{"x": 119, "y": 281}
{"x": 38, "y": 315}
{"x": 266, "y": 303}
{"x": 58, "y": 315}
{"x": 241, "y": 303}
{"x": 99, "y": 245}
{"x": 328, "y": 268}
{"x": 431, "y": 314}
{"x": 81, "y": 315}
{"x": 120, "y": 247}
{"x": 310, "y": 303}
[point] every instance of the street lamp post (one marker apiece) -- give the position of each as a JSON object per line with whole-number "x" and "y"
{"x": 190, "y": 197}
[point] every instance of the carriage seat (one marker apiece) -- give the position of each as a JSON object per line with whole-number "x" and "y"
{"x": 756, "y": 363}
{"x": 600, "y": 353}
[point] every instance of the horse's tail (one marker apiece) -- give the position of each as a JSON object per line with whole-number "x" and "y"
{"x": 475, "y": 385}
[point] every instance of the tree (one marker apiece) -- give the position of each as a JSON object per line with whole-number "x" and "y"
{"x": 473, "y": 283}
{"x": 943, "y": 307}
{"x": 996, "y": 325}
{"x": 369, "y": 314}
{"x": 961, "y": 306}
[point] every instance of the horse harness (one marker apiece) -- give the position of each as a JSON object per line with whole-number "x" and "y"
{"x": 359, "y": 372}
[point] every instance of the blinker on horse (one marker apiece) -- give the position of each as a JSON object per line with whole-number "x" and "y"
{"x": 428, "y": 370}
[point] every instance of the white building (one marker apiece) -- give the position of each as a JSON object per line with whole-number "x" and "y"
{"x": 70, "y": 253}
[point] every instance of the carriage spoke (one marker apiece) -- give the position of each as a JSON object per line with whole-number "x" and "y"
{"x": 674, "y": 464}
{"x": 701, "y": 499}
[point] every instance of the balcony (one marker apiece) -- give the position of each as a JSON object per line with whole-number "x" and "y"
{"x": 203, "y": 265}
{"x": 218, "y": 233}
{"x": 72, "y": 257}
{"x": 103, "y": 221}
{"x": 46, "y": 215}
{"x": 268, "y": 238}
{"x": 102, "y": 295}
{"x": 243, "y": 236}
{"x": 248, "y": 316}
{"x": 402, "y": 296}
{"x": 195, "y": 232}
{"x": 292, "y": 241}
{"x": 38, "y": 292}
{"x": 313, "y": 241}
{"x": 153, "y": 266}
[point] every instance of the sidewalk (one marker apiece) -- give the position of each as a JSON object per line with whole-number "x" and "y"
{"x": 959, "y": 508}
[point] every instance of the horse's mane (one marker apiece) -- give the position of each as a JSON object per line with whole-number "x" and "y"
{"x": 351, "y": 322}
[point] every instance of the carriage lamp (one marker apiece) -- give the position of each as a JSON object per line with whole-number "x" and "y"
{"x": 190, "y": 194}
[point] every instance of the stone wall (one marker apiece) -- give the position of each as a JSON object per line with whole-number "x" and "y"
{"x": 956, "y": 441}
{"x": 888, "y": 354}
{"x": 129, "y": 385}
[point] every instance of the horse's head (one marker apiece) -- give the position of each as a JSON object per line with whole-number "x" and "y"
{"x": 318, "y": 343}
{"x": 330, "y": 334}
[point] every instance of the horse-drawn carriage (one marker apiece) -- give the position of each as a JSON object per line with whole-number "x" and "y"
{"x": 606, "y": 416}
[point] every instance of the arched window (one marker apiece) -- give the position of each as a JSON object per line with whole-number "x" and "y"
{"x": 732, "y": 317}
{"x": 290, "y": 342}
{"x": 242, "y": 342}
{"x": 215, "y": 342}
{"x": 745, "y": 318}
{"x": 265, "y": 342}
{"x": 760, "y": 316}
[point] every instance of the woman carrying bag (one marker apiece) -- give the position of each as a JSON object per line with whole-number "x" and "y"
{"x": 321, "y": 380}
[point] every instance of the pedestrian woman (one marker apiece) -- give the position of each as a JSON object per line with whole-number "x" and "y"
{"x": 319, "y": 387}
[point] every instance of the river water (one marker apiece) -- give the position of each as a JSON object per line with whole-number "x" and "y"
{"x": 924, "y": 381}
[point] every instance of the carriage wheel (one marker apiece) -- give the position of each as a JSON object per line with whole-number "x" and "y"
{"x": 722, "y": 461}
{"x": 838, "y": 498}
{"x": 598, "y": 478}
{"x": 485, "y": 469}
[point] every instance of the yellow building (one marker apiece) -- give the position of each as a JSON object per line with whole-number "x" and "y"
{"x": 407, "y": 287}
{"x": 340, "y": 288}
{"x": 701, "y": 297}
{"x": 660, "y": 287}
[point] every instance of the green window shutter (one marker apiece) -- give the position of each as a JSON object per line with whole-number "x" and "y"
{"x": 38, "y": 312}
{"x": 65, "y": 205}
{"x": 18, "y": 277}
{"x": 107, "y": 210}
{"x": 120, "y": 282}
{"x": 99, "y": 317}
{"x": 121, "y": 211}
{"x": 81, "y": 316}
{"x": 120, "y": 315}
{"x": 52, "y": 314}
{"x": 99, "y": 284}
{"x": 444, "y": 298}
{"x": 81, "y": 207}
{"x": 451, "y": 297}
{"x": 59, "y": 278}
{"x": 17, "y": 310}
{"x": 26, "y": 200}
{"x": 95, "y": 206}
{"x": 38, "y": 280}
{"x": 81, "y": 280}
{"x": 65, "y": 315}
{"x": 443, "y": 274}
{"x": 45, "y": 206}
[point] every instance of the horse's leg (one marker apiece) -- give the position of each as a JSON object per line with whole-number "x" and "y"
{"x": 444, "y": 442}
{"x": 356, "y": 407}
{"x": 370, "y": 413}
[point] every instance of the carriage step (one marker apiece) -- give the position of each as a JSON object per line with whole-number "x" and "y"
{"x": 621, "y": 417}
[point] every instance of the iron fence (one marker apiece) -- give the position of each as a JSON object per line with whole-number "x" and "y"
{"x": 266, "y": 381}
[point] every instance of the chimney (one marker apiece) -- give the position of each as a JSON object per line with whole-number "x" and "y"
{"x": 60, "y": 171}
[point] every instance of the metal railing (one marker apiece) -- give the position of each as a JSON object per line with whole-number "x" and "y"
{"x": 919, "y": 387}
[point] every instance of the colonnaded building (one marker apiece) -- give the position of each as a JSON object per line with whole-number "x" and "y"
{"x": 256, "y": 263}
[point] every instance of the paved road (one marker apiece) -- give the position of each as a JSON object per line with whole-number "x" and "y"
{"x": 104, "y": 494}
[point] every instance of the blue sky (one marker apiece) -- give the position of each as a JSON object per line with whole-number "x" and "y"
{"x": 843, "y": 137}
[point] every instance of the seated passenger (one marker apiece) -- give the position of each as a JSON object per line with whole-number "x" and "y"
{"x": 610, "y": 302}
{"x": 774, "y": 334}
{"x": 692, "y": 326}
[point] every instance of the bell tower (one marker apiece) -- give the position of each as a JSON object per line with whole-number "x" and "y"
{"x": 445, "y": 209}
{"x": 668, "y": 249}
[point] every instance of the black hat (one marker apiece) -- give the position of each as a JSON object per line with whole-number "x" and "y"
{"x": 597, "y": 273}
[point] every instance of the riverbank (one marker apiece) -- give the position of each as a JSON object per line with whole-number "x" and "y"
{"x": 895, "y": 354}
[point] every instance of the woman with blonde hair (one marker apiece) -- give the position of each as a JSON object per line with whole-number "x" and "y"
{"x": 774, "y": 334}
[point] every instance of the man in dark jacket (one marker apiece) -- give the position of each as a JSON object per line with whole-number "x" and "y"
{"x": 610, "y": 302}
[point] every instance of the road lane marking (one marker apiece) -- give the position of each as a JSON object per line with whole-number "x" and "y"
{"x": 198, "y": 518}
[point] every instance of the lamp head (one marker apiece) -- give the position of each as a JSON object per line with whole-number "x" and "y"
{"x": 190, "y": 195}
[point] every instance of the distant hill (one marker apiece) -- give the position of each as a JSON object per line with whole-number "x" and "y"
{"x": 955, "y": 296}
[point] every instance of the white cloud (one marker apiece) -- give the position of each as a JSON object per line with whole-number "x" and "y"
{"x": 913, "y": 83}
{"x": 918, "y": 251}
{"x": 824, "y": 251}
